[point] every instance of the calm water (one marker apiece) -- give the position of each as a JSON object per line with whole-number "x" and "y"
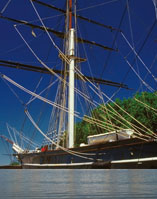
{"x": 78, "y": 184}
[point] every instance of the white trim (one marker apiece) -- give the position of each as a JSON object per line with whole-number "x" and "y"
{"x": 59, "y": 165}
{"x": 134, "y": 160}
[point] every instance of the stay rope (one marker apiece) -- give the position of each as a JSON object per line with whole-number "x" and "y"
{"x": 58, "y": 146}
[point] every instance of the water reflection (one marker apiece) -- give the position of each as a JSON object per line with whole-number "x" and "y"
{"x": 77, "y": 184}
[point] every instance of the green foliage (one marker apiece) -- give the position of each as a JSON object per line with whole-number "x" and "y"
{"x": 14, "y": 163}
{"x": 81, "y": 132}
{"x": 138, "y": 107}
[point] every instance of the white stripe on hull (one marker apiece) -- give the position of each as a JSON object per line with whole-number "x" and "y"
{"x": 59, "y": 165}
{"x": 91, "y": 164}
{"x": 134, "y": 160}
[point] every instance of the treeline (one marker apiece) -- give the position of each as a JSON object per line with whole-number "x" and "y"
{"x": 138, "y": 113}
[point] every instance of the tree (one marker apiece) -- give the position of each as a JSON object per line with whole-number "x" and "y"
{"x": 137, "y": 111}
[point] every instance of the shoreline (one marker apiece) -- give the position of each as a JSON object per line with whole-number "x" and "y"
{"x": 11, "y": 167}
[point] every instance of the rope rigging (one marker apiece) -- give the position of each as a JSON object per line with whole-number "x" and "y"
{"x": 105, "y": 121}
{"x": 5, "y": 7}
{"x": 133, "y": 49}
{"x": 76, "y": 15}
{"x": 45, "y": 100}
{"x": 155, "y": 5}
{"x": 121, "y": 108}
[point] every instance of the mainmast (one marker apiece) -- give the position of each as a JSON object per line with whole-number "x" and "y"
{"x": 71, "y": 54}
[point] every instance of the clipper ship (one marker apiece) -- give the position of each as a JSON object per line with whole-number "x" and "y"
{"x": 127, "y": 145}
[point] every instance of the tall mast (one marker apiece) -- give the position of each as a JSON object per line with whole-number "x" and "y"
{"x": 71, "y": 53}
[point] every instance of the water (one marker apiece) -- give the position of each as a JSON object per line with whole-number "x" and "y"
{"x": 78, "y": 184}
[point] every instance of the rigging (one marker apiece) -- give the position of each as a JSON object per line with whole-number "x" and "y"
{"x": 78, "y": 16}
{"x": 44, "y": 70}
{"x": 57, "y": 33}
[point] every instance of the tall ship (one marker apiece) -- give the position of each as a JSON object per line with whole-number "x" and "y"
{"x": 78, "y": 81}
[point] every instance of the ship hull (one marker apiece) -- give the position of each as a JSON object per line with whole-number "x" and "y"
{"x": 124, "y": 154}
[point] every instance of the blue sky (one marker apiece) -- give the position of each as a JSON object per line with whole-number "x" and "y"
{"x": 139, "y": 18}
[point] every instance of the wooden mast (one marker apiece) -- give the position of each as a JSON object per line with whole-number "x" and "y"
{"x": 70, "y": 14}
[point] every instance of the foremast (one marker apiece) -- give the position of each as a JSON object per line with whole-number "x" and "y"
{"x": 71, "y": 54}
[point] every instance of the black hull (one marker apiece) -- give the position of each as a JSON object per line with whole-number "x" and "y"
{"x": 124, "y": 154}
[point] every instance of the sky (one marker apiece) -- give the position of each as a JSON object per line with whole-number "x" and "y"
{"x": 136, "y": 25}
